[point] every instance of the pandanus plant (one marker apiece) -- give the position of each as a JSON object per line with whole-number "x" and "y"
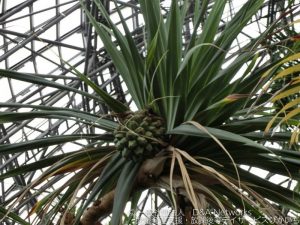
{"x": 199, "y": 113}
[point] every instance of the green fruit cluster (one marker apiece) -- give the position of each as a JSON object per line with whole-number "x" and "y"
{"x": 139, "y": 135}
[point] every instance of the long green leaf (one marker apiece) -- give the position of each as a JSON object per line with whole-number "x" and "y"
{"x": 269, "y": 190}
{"x": 210, "y": 29}
{"x": 123, "y": 190}
{"x": 137, "y": 59}
{"x": 12, "y": 216}
{"x": 114, "y": 104}
{"x": 190, "y": 130}
{"x": 33, "y": 166}
{"x": 120, "y": 58}
{"x": 39, "y": 80}
{"x": 112, "y": 168}
{"x": 156, "y": 30}
{"x": 49, "y": 141}
{"x": 210, "y": 62}
{"x": 6, "y": 117}
{"x": 12, "y": 105}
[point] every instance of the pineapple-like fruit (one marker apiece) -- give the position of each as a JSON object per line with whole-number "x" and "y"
{"x": 140, "y": 135}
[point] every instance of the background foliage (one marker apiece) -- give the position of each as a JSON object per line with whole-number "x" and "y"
{"x": 220, "y": 110}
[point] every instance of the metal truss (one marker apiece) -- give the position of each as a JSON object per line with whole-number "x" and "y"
{"x": 44, "y": 37}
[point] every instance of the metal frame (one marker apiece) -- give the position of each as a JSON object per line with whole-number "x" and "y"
{"x": 86, "y": 55}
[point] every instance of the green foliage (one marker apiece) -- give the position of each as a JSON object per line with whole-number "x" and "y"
{"x": 215, "y": 112}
